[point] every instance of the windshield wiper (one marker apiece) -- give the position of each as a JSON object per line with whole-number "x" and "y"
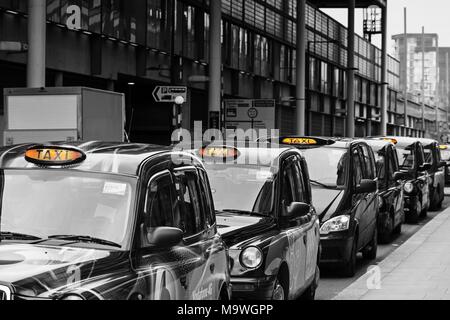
{"x": 17, "y": 236}
{"x": 243, "y": 212}
{"x": 320, "y": 184}
{"x": 85, "y": 239}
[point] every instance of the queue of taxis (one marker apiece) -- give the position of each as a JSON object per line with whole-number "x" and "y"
{"x": 263, "y": 199}
{"x": 103, "y": 221}
{"x": 344, "y": 190}
{"x": 412, "y": 160}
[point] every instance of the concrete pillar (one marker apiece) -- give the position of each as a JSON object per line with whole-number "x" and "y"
{"x": 384, "y": 75}
{"x": 37, "y": 31}
{"x": 405, "y": 57}
{"x": 301, "y": 68}
{"x": 351, "y": 70}
{"x": 215, "y": 65}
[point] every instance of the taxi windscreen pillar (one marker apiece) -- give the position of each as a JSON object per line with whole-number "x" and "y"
{"x": 351, "y": 70}
{"x": 384, "y": 74}
{"x": 37, "y": 26}
{"x": 215, "y": 65}
{"x": 301, "y": 68}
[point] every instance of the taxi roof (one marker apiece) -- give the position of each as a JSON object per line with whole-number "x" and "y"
{"x": 378, "y": 144}
{"x": 101, "y": 157}
{"x": 265, "y": 153}
{"x": 407, "y": 141}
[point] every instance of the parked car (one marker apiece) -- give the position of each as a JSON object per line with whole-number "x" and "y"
{"x": 105, "y": 221}
{"x": 436, "y": 172}
{"x": 344, "y": 189}
{"x": 263, "y": 200}
{"x": 445, "y": 156}
{"x": 411, "y": 156}
{"x": 390, "y": 189}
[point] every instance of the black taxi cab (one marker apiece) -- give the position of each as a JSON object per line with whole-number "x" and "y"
{"x": 390, "y": 189}
{"x": 436, "y": 172}
{"x": 344, "y": 190}
{"x": 105, "y": 221}
{"x": 263, "y": 200}
{"x": 411, "y": 156}
{"x": 445, "y": 156}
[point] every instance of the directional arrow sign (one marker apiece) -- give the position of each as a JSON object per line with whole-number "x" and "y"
{"x": 169, "y": 94}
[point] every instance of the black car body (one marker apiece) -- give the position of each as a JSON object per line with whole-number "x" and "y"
{"x": 436, "y": 172}
{"x": 390, "y": 189}
{"x": 104, "y": 221}
{"x": 445, "y": 156}
{"x": 266, "y": 218}
{"x": 344, "y": 189}
{"x": 411, "y": 156}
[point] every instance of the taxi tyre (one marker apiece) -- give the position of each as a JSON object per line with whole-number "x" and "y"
{"x": 387, "y": 232}
{"x": 415, "y": 211}
{"x": 371, "y": 250}
{"x": 224, "y": 294}
{"x": 437, "y": 200}
{"x": 398, "y": 229}
{"x": 349, "y": 268}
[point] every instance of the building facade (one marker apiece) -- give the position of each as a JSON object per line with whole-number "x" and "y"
{"x": 133, "y": 46}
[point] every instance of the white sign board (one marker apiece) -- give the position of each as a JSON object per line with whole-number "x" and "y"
{"x": 170, "y": 94}
{"x": 250, "y": 114}
{"x": 44, "y": 112}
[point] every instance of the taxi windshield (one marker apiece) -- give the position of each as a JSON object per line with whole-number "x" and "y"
{"x": 406, "y": 158}
{"x": 242, "y": 188}
{"x": 62, "y": 204}
{"x": 327, "y": 167}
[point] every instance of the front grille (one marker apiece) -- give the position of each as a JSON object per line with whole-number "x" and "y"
{"x": 5, "y": 293}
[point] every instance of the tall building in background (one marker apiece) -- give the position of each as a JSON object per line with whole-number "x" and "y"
{"x": 414, "y": 64}
{"x": 444, "y": 74}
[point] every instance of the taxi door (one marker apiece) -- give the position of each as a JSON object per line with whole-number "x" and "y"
{"x": 203, "y": 245}
{"x": 423, "y": 176}
{"x": 296, "y": 230}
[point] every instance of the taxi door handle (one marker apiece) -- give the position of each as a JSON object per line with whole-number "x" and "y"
{"x": 305, "y": 240}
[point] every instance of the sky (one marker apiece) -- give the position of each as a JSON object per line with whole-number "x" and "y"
{"x": 432, "y": 14}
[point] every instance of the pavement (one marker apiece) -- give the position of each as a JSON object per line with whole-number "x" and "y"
{"x": 418, "y": 270}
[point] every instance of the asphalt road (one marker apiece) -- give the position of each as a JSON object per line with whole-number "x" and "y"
{"x": 331, "y": 284}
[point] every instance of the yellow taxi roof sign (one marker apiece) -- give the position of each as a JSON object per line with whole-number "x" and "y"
{"x": 443, "y": 147}
{"x": 306, "y": 141}
{"x": 219, "y": 152}
{"x": 54, "y": 156}
{"x": 394, "y": 141}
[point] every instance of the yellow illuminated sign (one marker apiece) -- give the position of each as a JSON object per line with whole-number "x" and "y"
{"x": 55, "y": 156}
{"x": 219, "y": 152}
{"x": 443, "y": 147}
{"x": 299, "y": 141}
{"x": 394, "y": 141}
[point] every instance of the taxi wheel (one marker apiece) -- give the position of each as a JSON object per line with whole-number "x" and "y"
{"x": 349, "y": 269}
{"x": 398, "y": 229}
{"x": 370, "y": 252}
{"x": 415, "y": 211}
{"x": 279, "y": 292}
{"x": 388, "y": 230}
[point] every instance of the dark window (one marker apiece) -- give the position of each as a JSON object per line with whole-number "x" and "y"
{"x": 288, "y": 193}
{"x": 208, "y": 203}
{"x": 301, "y": 192}
{"x": 192, "y": 219}
{"x": 160, "y": 200}
{"x": 369, "y": 172}
{"x": 357, "y": 167}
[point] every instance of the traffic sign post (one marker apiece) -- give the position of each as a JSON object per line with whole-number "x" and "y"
{"x": 170, "y": 94}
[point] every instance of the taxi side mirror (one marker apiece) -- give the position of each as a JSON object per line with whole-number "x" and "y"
{"x": 401, "y": 176}
{"x": 297, "y": 210}
{"x": 367, "y": 186}
{"x": 165, "y": 237}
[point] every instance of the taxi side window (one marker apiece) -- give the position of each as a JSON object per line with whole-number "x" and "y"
{"x": 369, "y": 172}
{"x": 357, "y": 167}
{"x": 208, "y": 202}
{"x": 288, "y": 194}
{"x": 301, "y": 191}
{"x": 161, "y": 208}
{"x": 192, "y": 219}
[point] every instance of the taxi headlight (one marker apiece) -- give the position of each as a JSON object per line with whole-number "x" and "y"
{"x": 251, "y": 257}
{"x": 409, "y": 187}
{"x": 337, "y": 224}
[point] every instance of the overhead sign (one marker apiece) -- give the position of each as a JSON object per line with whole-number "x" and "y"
{"x": 250, "y": 114}
{"x": 170, "y": 94}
